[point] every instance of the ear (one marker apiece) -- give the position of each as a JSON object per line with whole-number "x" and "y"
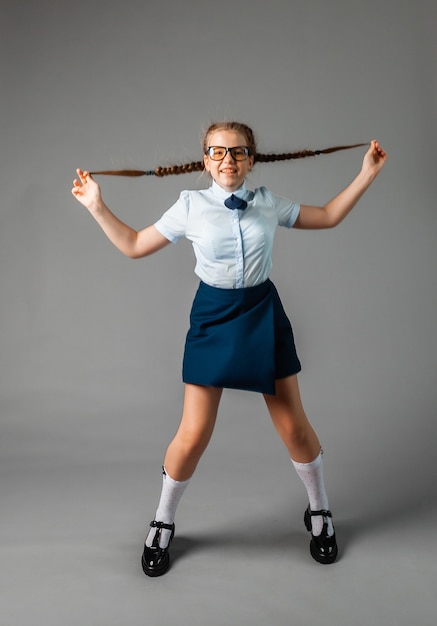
{"x": 206, "y": 162}
{"x": 251, "y": 162}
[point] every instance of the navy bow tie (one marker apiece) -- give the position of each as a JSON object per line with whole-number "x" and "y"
{"x": 234, "y": 202}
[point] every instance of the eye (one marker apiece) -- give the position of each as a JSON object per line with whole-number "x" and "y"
{"x": 216, "y": 152}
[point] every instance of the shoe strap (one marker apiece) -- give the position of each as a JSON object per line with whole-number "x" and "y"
{"x": 323, "y": 513}
{"x": 160, "y": 525}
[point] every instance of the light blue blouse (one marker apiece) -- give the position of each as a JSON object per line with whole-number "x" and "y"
{"x": 233, "y": 248}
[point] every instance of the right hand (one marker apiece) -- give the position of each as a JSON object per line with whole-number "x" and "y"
{"x": 86, "y": 190}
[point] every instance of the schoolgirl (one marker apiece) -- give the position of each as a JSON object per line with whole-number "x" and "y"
{"x": 239, "y": 336}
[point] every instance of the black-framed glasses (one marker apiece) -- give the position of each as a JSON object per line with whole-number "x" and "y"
{"x": 238, "y": 153}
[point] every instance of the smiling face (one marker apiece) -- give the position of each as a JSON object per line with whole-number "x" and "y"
{"x": 227, "y": 173}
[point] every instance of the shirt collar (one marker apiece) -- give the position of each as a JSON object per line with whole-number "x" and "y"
{"x": 241, "y": 192}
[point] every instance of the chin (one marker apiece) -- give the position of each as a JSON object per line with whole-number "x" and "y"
{"x": 230, "y": 185}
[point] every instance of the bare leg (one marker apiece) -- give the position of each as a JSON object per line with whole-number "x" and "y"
{"x": 291, "y": 422}
{"x": 194, "y": 432}
{"x": 303, "y": 445}
{"x": 183, "y": 454}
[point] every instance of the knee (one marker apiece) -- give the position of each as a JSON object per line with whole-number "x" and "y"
{"x": 294, "y": 435}
{"x": 190, "y": 445}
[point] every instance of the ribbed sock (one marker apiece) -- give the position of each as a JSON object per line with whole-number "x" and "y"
{"x": 172, "y": 492}
{"x": 311, "y": 474}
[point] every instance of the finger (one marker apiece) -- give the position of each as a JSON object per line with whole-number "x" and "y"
{"x": 380, "y": 153}
{"x": 82, "y": 175}
{"x": 377, "y": 146}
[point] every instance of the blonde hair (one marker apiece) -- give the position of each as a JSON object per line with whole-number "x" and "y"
{"x": 237, "y": 127}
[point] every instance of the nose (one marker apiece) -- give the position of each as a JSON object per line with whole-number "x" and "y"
{"x": 228, "y": 157}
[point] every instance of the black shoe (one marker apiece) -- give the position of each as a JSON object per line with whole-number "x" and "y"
{"x": 156, "y": 560}
{"x": 323, "y": 548}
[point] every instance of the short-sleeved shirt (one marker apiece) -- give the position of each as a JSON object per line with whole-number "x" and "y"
{"x": 233, "y": 247}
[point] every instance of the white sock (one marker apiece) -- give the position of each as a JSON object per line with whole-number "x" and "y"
{"x": 311, "y": 474}
{"x": 171, "y": 493}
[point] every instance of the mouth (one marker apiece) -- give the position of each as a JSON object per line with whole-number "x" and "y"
{"x": 228, "y": 170}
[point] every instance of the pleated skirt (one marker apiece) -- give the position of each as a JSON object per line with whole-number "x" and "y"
{"x": 239, "y": 339}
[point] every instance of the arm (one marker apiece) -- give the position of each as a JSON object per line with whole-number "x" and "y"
{"x": 132, "y": 243}
{"x": 336, "y": 210}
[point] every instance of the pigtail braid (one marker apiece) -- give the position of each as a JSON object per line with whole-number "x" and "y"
{"x": 186, "y": 168}
{"x": 198, "y": 166}
{"x": 302, "y": 154}
{"x": 194, "y": 166}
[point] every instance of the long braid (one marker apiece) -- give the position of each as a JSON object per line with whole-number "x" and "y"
{"x": 302, "y": 154}
{"x": 194, "y": 166}
{"x": 198, "y": 166}
{"x": 243, "y": 129}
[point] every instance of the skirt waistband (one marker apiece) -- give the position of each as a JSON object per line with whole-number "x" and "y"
{"x": 243, "y": 294}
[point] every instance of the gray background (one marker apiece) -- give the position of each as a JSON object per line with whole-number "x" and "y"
{"x": 91, "y": 342}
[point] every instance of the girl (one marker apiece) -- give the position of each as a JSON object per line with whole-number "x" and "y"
{"x": 240, "y": 336}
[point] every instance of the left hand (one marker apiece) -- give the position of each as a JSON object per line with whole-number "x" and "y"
{"x": 375, "y": 158}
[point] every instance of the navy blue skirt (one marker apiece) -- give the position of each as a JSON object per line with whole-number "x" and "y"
{"x": 239, "y": 339}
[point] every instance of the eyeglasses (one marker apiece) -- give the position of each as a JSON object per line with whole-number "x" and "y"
{"x": 218, "y": 153}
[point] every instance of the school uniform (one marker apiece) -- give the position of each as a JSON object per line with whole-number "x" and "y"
{"x": 239, "y": 336}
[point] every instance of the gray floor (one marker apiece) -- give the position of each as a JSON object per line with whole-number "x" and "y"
{"x": 79, "y": 486}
